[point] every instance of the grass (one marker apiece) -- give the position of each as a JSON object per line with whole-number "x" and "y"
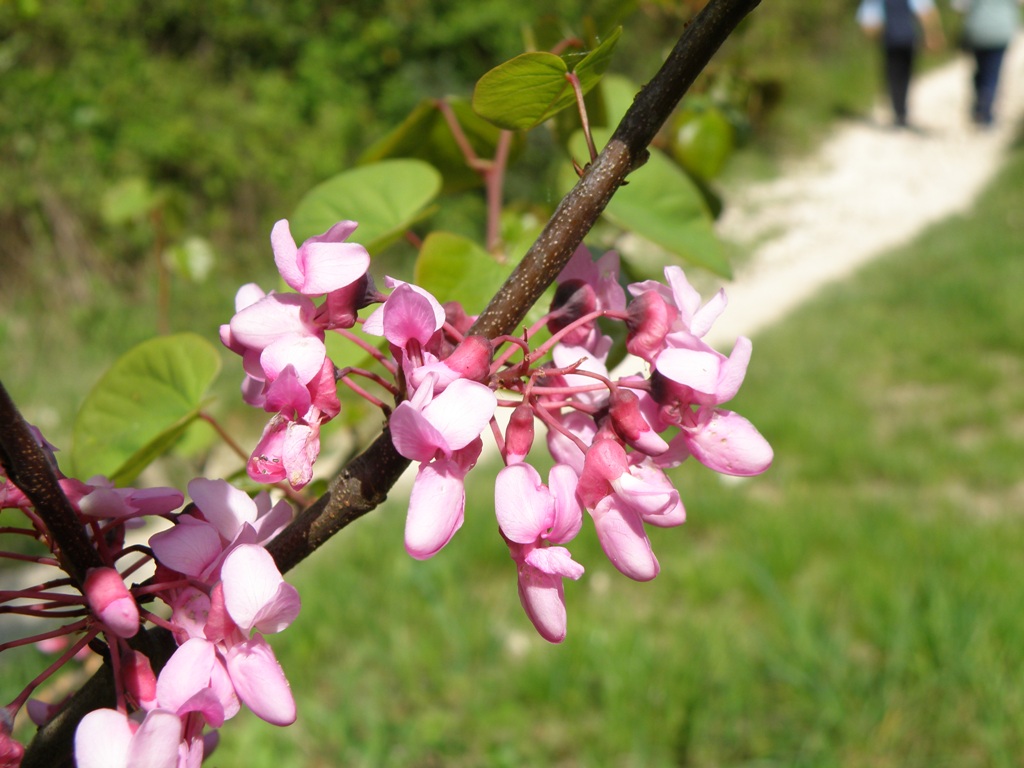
{"x": 862, "y": 604}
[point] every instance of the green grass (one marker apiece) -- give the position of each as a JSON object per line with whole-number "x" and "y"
{"x": 862, "y": 604}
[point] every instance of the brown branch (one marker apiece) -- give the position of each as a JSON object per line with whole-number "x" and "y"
{"x": 27, "y": 467}
{"x": 364, "y": 483}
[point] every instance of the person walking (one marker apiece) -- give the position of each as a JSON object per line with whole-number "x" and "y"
{"x": 989, "y": 26}
{"x": 897, "y": 23}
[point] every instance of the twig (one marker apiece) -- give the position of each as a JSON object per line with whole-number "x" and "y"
{"x": 364, "y": 483}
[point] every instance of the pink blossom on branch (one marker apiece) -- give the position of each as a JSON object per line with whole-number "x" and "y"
{"x": 323, "y": 263}
{"x": 531, "y": 516}
{"x": 442, "y": 433}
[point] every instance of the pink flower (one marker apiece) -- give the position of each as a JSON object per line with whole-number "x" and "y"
{"x": 726, "y": 442}
{"x": 621, "y": 497}
{"x": 287, "y": 450}
{"x": 442, "y": 433}
{"x": 409, "y": 314}
{"x": 323, "y": 263}
{"x": 532, "y": 515}
{"x": 230, "y": 661}
{"x": 583, "y": 287}
{"x": 698, "y": 374}
{"x": 195, "y": 547}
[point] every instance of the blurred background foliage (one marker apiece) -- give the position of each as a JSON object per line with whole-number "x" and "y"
{"x": 230, "y": 110}
{"x": 146, "y": 150}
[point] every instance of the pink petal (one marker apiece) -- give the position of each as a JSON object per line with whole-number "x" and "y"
{"x": 523, "y": 506}
{"x": 436, "y": 507}
{"x": 248, "y": 295}
{"x": 189, "y": 547}
{"x": 287, "y": 395}
{"x": 646, "y": 498}
{"x": 277, "y": 315}
{"x": 260, "y": 681}
{"x": 155, "y": 744}
{"x": 734, "y": 370}
{"x": 102, "y": 740}
{"x": 330, "y": 266}
{"x": 543, "y": 599}
{"x": 565, "y": 450}
{"x": 305, "y": 354}
{"x": 555, "y": 561}
{"x": 299, "y": 452}
{"x": 693, "y": 368}
{"x": 623, "y": 539}
{"x": 223, "y": 505}
{"x": 286, "y": 254}
{"x": 686, "y": 297}
{"x": 186, "y": 673}
{"x": 254, "y": 592}
{"x": 705, "y": 317}
{"x": 461, "y": 412}
{"x": 669, "y": 515}
{"x": 408, "y": 314}
{"x": 568, "y": 518}
{"x": 730, "y": 444}
{"x": 413, "y": 436}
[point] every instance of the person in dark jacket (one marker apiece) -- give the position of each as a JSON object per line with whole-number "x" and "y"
{"x": 898, "y": 23}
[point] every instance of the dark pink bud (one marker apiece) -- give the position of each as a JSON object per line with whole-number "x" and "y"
{"x": 139, "y": 679}
{"x": 519, "y": 434}
{"x": 111, "y": 602}
{"x": 342, "y": 305}
{"x": 471, "y": 359}
{"x": 631, "y": 426}
{"x": 650, "y": 320}
{"x": 573, "y": 300}
{"x": 456, "y": 317}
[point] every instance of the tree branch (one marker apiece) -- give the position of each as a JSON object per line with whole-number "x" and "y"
{"x": 364, "y": 483}
{"x": 27, "y": 467}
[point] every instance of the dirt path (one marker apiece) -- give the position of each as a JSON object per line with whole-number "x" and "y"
{"x": 867, "y": 190}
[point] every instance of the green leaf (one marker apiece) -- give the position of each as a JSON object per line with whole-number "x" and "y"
{"x": 386, "y": 198}
{"x": 426, "y": 135}
{"x": 525, "y": 91}
{"x": 517, "y": 94}
{"x": 702, "y": 141}
{"x": 661, "y": 204}
{"x": 454, "y": 268}
{"x": 128, "y": 200}
{"x": 142, "y": 406}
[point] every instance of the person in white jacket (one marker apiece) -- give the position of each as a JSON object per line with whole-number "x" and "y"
{"x": 989, "y": 27}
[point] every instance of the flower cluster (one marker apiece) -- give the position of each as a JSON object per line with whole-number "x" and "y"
{"x": 611, "y": 438}
{"x": 222, "y": 590}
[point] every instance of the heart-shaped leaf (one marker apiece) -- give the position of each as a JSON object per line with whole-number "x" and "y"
{"x": 142, "y": 406}
{"x": 386, "y": 198}
{"x": 525, "y": 91}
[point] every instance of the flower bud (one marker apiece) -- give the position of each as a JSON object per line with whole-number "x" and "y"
{"x": 631, "y": 426}
{"x": 573, "y": 299}
{"x": 519, "y": 434}
{"x": 650, "y": 320}
{"x": 139, "y": 679}
{"x": 111, "y": 602}
{"x": 471, "y": 359}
